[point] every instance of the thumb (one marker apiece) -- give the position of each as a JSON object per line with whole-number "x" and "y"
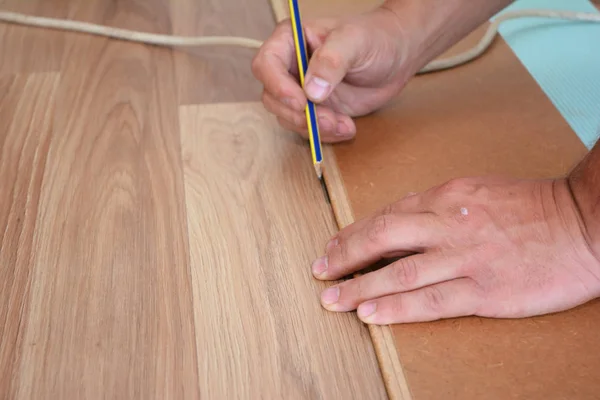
{"x": 330, "y": 63}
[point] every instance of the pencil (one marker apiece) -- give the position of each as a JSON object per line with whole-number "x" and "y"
{"x": 310, "y": 109}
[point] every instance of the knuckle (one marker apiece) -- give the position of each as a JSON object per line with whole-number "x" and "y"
{"x": 264, "y": 97}
{"x": 434, "y": 298}
{"x": 397, "y": 305}
{"x": 378, "y": 228}
{"x": 354, "y": 32}
{"x": 387, "y": 210}
{"x": 278, "y": 89}
{"x": 256, "y": 64}
{"x": 357, "y": 290}
{"x": 341, "y": 253}
{"x": 266, "y": 100}
{"x": 297, "y": 118}
{"x": 454, "y": 186}
{"x": 405, "y": 273}
{"x": 283, "y": 25}
{"x": 344, "y": 253}
{"x": 329, "y": 59}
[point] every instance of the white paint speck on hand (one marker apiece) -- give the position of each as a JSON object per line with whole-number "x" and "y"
{"x": 464, "y": 211}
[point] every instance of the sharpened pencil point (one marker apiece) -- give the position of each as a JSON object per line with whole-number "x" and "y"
{"x": 319, "y": 170}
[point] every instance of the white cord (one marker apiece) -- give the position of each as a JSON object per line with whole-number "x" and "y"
{"x": 170, "y": 40}
{"x": 124, "y": 34}
{"x": 492, "y": 31}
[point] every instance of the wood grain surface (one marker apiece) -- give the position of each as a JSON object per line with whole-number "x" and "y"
{"x": 126, "y": 272}
{"x": 26, "y": 108}
{"x": 110, "y": 290}
{"x": 219, "y": 74}
{"x": 44, "y": 47}
{"x": 256, "y": 218}
{"x": 487, "y": 117}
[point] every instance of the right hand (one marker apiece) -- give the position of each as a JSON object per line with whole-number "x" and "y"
{"x": 357, "y": 65}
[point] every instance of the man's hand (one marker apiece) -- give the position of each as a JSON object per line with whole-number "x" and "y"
{"x": 357, "y": 65}
{"x": 489, "y": 247}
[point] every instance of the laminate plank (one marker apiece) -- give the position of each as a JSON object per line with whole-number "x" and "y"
{"x": 27, "y": 49}
{"x": 257, "y": 217}
{"x": 110, "y": 303}
{"x": 219, "y": 74}
{"x": 26, "y": 107}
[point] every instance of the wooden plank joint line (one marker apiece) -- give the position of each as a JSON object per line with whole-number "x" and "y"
{"x": 381, "y": 336}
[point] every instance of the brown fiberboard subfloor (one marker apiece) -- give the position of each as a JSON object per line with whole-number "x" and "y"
{"x": 488, "y": 117}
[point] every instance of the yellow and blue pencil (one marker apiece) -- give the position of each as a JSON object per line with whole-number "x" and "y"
{"x": 310, "y": 110}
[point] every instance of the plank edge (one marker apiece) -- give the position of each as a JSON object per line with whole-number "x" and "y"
{"x": 382, "y": 337}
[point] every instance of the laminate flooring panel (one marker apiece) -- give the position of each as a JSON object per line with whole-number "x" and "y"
{"x": 257, "y": 217}
{"x": 112, "y": 285}
{"x": 214, "y": 74}
{"x": 44, "y": 47}
{"x": 105, "y": 287}
{"x": 26, "y": 108}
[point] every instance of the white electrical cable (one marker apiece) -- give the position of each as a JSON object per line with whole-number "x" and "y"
{"x": 182, "y": 41}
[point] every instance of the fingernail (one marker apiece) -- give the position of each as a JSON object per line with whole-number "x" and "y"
{"x": 319, "y": 266}
{"x": 366, "y": 310}
{"x": 332, "y": 243}
{"x": 330, "y": 295}
{"x": 317, "y": 88}
{"x": 325, "y": 124}
{"x": 343, "y": 129}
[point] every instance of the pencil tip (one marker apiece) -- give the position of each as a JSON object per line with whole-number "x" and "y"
{"x": 319, "y": 170}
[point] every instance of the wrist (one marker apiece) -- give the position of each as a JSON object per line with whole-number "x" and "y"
{"x": 431, "y": 27}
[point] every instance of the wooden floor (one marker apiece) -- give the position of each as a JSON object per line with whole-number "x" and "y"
{"x": 156, "y": 227}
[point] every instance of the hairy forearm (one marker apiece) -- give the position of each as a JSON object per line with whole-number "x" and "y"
{"x": 584, "y": 182}
{"x": 432, "y": 26}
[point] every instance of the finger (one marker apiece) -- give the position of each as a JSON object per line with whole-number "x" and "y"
{"x": 331, "y": 61}
{"x": 451, "y": 299}
{"x": 404, "y": 275}
{"x": 411, "y": 203}
{"x": 382, "y": 234}
{"x": 288, "y": 126}
{"x": 273, "y": 65}
{"x": 296, "y": 121}
{"x": 333, "y": 127}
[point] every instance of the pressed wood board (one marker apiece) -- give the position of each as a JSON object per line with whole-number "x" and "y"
{"x": 257, "y": 218}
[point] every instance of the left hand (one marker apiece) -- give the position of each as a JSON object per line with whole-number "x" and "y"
{"x": 490, "y": 247}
